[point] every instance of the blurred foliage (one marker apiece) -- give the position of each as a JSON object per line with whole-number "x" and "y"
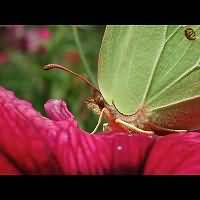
{"x": 24, "y": 50}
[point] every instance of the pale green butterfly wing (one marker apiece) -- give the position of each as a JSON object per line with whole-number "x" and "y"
{"x": 178, "y": 63}
{"x": 155, "y": 66}
{"x": 174, "y": 95}
{"x": 126, "y": 58}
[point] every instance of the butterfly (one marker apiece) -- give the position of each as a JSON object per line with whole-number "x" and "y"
{"x": 148, "y": 79}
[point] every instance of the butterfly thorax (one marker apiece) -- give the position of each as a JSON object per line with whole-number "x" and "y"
{"x": 97, "y": 104}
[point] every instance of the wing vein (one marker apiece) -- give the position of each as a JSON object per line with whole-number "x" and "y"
{"x": 153, "y": 71}
{"x": 172, "y": 34}
{"x": 175, "y": 103}
{"x": 118, "y": 66}
{"x": 178, "y": 61}
{"x": 171, "y": 68}
{"x": 175, "y": 81}
{"x": 114, "y": 72}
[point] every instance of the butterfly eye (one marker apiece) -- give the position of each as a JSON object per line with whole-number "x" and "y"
{"x": 190, "y": 34}
{"x": 99, "y": 100}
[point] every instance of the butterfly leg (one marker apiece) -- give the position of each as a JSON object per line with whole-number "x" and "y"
{"x": 99, "y": 121}
{"x": 132, "y": 127}
{"x": 172, "y": 130}
{"x": 159, "y": 128}
{"x": 105, "y": 126}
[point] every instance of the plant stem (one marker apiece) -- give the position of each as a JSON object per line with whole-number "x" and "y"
{"x": 82, "y": 55}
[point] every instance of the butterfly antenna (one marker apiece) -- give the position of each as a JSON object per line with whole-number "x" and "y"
{"x": 80, "y": 77}
{"x": 99, "y": 121}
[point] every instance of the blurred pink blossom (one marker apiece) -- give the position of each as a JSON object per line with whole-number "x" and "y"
{"x": 3, "y": 58}
{"x": 44, "y": 33}
{"x": 26, "y": 38}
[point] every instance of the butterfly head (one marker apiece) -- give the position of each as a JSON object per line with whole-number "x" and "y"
{"x": 96, "y": 103}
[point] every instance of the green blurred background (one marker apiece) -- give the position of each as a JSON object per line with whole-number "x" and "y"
{"x": 25, "y": 49}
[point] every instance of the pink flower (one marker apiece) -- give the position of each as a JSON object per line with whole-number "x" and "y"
{"x": 44, "y": 33}
{"x": 3, "y": 58}
{"x": 33, "y": 39}
{"x": 33, "y": 144}
{"x": 28, "y": 40}
{"x": 13, "y": 36}
{"x": 16, "y": 31}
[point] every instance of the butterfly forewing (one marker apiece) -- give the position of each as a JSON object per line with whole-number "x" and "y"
{"x": 176, "y": 72}
{"x": 156, "y": 67}
{"x": 127, "y": 58}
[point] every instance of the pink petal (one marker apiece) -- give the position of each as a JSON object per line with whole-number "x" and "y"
{"x": 175, "y": 154}
{"x": 26, "y": 137}
{"x": 117, "y": 153}
{"x": 33, "y": 144}
{"x": 57, "y": 111}
{"x": 7, "y": 167}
